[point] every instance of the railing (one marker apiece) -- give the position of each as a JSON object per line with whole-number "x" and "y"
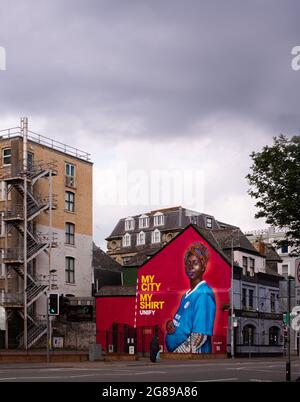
{"x": 16, "y": 213}
{"x": 11, "y": 298}
{"x": 41, "y": 139}
{"x": 16, "y": 254}
{"x": 33, "y": 169}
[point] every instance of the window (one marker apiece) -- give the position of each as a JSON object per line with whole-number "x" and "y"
{"x": 69, "y": 201}
{"x": 285, "y": 249}
{"x": 129, "y": 224}
{"x": 140, "y": 238}
{"x": 125, "y": 260}
{"x": 2, "y": 224}
{"x": 272, "y": 299}
{"x": 209, "y": 223}
{"x": 30, "y": 160}
{"x": 285, "y": 269}
{"x": 274, "y": 336}
{"x": 143, "y": 221}
{"x": 70, "y": 233}
{"x": 70, "y": 270}
{"x": 126, "y": 240}
{"x": 70, "y": 175}
{"x": 6, "y": 156}
{"x": 252, "y": 266}
{"x": 245, "y": 265}
{"x": 194, "y": 219}
{"x": 251, "y": 298}
{"x": 159, "y": 219}
{"x": 244, "y": 298}
{"x": 3, "y": 187}
{"x": 156, "y": 236}
{"x": 248, "y": 335}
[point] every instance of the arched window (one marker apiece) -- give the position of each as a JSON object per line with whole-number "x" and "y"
{"x": 249, "y": 333}
{"x": 143, "y": 221}
{"x": 126, "y": 240}
{"x": 140, "y": 238}
{"x": 156, "y": 236}
{"x": 159, "y": 219}
{"x": 129, "y": 223}
{"x": 274, "y": 333}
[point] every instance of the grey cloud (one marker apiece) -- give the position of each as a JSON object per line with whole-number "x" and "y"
{"x": 167, "y": 63}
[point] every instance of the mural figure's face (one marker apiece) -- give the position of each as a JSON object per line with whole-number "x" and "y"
{"x": 193, "y": 268}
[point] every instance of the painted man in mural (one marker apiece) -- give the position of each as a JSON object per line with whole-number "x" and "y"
{"x": 192, "y": 326}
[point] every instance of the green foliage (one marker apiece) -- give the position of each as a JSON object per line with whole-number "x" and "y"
{"x": 275, "y": 184}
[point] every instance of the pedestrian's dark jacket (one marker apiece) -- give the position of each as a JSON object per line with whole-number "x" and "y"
{"x": 154, "y": 348}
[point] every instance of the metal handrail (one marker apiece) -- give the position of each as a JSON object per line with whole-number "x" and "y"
{"x": 32, "y": 170}
{"x": 43, "y": 140}
{"x": 9, "y": 298}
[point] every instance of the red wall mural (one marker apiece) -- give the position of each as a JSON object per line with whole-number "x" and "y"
{"x": 162, "y": 299}
{"x": 182, "y": 296}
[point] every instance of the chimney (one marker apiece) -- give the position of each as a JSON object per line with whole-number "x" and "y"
{"x": 260, "y": 246}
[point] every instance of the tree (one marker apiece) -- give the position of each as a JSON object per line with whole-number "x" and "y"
{"x": 275, "y": 184}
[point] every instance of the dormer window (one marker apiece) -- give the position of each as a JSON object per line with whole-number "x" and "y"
{"x": 126, "y": 240}
{"x": 143, "y": 221}
{"x": 129, "y": 224}
{"x": 156, "y": 236}
{"x": 194, "y": 219}
{"x": 159, "y": 219}
{"x": 140, "y": 239}
{"x": 209, "y": 223}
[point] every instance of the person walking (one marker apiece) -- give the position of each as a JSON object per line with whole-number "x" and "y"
{"x": 154, "y": 348}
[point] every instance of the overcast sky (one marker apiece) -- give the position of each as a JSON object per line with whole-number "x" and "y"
{"x": 187, "y": 88}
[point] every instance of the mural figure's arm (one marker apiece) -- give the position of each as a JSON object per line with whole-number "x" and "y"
{"x": 170, "y": 327}
{"x": 192, "y": 343}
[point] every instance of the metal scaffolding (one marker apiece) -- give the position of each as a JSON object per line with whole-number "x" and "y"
{"x": 23, "y": 205}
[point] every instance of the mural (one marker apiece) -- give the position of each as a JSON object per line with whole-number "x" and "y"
{"x": 184, "y": 291}
{"x": 182, "y": 297}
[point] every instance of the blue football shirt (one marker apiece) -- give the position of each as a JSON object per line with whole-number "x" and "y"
{"x": 196, "y": 314}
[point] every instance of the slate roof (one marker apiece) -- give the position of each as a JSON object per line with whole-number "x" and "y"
{"x": 103, "y": 261}
{"x": 117, "y": 291}
{"x": 175, "y": 218}
{"x": 271, "y": 253}
{"x": 224, "y": 239}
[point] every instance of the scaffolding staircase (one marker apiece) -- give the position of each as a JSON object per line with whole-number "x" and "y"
{"x": 16, "y": 217}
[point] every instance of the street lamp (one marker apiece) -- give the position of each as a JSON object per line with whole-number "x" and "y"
{"x": 232, "y": 297}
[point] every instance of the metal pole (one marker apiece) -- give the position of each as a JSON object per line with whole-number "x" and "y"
{"x": 288, "y": 364}
{"x": 24, "y": 131}
{"x": 48, "y": 329}
{"x": 232, "y": 303}
{"x": 49, "y": 254}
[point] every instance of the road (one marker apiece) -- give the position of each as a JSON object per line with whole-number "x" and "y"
{"x": 250, "y": 370}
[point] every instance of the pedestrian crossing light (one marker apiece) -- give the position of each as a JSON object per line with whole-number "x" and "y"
{"x": 286, "y": 319}
{"x": 53, "y": 304}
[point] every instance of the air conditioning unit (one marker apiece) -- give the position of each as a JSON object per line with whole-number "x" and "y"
{"x": 70, "y": 181}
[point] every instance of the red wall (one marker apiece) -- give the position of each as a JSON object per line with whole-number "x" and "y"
{"x": 113, "y": 309}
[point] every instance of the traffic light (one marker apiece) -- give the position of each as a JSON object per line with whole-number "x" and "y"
{"x": 53, "y": 304}
{"x": 286, "y": 319}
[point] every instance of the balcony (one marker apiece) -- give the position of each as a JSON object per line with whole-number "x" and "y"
{"x": 11, "y": 299}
